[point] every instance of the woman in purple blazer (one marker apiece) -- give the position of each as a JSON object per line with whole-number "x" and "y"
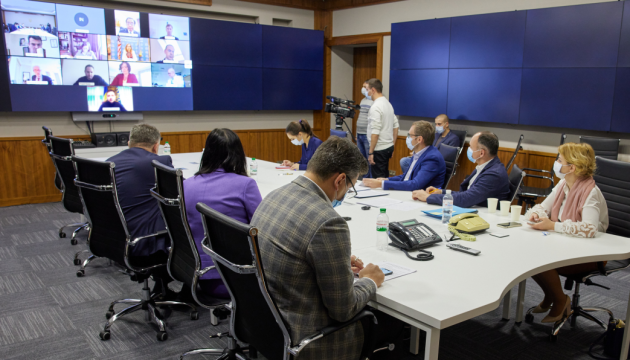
{"x": 221, "y": 183}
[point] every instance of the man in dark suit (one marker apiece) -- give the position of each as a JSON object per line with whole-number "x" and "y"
{"x": 489, "y": 180}
{"x": 90, "y": 79}
{"x": 444, "y": 135}
{"x": 169, "y": 54}
{"x": 427, "y": 168}
{"x": 135, "y": 177}
{"x": 130, "y": 29}
{"x": 39, "y": 77}
{"x": 305, "y": 250}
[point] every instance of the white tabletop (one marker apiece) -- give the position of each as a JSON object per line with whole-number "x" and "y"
{"x": 454, "y": 286}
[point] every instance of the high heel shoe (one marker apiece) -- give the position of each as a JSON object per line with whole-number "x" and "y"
{"x": 564, "y": 314}
{"x": 540, "y": 310}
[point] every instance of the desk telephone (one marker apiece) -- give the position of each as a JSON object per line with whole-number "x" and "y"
{"x": 410, "y": 235}
{"x": 465, "y": 224}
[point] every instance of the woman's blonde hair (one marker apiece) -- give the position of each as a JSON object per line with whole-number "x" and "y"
{"x": 580, "y": 155}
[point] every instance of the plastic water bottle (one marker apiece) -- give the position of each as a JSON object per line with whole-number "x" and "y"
{"x": 447, "y": 207}
{"x": 253, "y": 167}
{"x": 167, "y": 149}
{"x": 382, "y": 230}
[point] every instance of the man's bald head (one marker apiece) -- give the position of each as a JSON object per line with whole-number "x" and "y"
{"x": 441, "y": 124}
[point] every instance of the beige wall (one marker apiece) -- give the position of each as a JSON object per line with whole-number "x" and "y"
{"x": 29, "y": 124}
{"x": 341, "y": 73}
{"x": 352, "y": 22}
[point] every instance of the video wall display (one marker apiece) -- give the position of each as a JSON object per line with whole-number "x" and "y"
{"x": 108, "y": 52}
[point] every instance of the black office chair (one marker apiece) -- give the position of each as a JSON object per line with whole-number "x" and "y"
{"x": 450, "y": 155}
{"x": 613, "y": 179}
{"x": 184, "y": 264}
{"x": 109, "y": 238}
{"x": 518, "y": 148}
{"x": 605, "y": 148}
{"x": 255, "y": 318}
{"x": 515, "y": 178}
{"x": 46, "y": 141}
{"x": 529, "y": 194}
{"x": 461, "y": 134}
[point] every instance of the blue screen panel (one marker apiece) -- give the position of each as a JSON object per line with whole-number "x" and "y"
{"x": 420, "y": 44}
{"x": 48, "y": 98}
{"x": 224, "y": 43}
{"x": 227, "y": 88}
{"x": 488, "y": 41}
{"x": 419, "y": 92}
{"x": 162, "y": 99}
{"x": 621, "y": 108}
{"x": 289, "y": 48}
{"x": 570, "y": 98}
{"x": 285, "y": 89}
{"x": 573, "y": 36}
{"x": 624, "y": 43}
{"x": 491, "y": 95}
{"x": 81, "y": 19}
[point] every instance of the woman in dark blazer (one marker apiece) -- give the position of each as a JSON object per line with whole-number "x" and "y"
{"x": 125, "y": 77}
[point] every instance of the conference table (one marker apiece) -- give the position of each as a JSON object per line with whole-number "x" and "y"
{"x": 454, "y": 286}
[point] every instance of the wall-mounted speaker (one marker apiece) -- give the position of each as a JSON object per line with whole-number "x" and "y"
{"x": 122, "y": 138}
{"x": 104, "y": 139}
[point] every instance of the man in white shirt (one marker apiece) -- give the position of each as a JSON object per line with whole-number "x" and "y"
{"x": 174, "y": 80}
{"x": 382, "y": 130}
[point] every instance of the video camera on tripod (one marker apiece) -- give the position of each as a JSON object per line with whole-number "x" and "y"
{"x": 342, "y": 109}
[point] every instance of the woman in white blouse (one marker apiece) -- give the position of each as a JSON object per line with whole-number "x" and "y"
{"x": 575, "y": 207}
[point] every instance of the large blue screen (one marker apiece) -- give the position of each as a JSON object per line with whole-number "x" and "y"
{"x": 420, "y": 44}
{"x": 419, "y": 91}
{"x": 292, "y": 89}
{"x": 305, "y": 53}
{"x": 224, "y": 43}
{"x": 624, "y": 43}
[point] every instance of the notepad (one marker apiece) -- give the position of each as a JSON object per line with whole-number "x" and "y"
{"x": 437, "y": 213}
{"x": 378, "y": 202}
{"x": 369, "y": 193}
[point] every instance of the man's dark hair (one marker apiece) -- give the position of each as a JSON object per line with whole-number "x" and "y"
{"x": 223, "y": 150}
{"x": 489, "y": 141}
{"x": 424, "y": 129}
{"x": 337, "y": 155}
{"x": 34, "y": 37}
{"x": 87, "y": 66}
{"x": 376, "y": 84}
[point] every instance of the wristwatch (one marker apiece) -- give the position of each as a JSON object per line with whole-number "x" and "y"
{"x": 370, "y": 154}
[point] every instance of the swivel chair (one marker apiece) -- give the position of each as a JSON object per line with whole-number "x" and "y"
{"x": 184, "y": 263}
{"x": 109, "y": 238}
{"x": 613, "y": 179}
{"x": 603, "y": 147}
{"x": 515, "y": 178}
{"x": 255, "y": 318}
{"x": 461, "y": 134}
{"x": 46, "y": 142}
{"x": 450, "y": 155}
{"x": 518, "y": 148}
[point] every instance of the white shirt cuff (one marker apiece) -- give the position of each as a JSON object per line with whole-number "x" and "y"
{"x": 557, "y": 227}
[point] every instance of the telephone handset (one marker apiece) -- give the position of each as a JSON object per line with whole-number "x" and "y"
{"x": 412, "y": 235}
{"x": 465, "y": 224}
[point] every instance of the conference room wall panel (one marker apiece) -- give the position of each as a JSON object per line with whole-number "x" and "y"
{"x": 573, "y": 36}
{"x": 579, "y": 98}
{"x": 162, "y": 99}
{"x": 624, "y": 42}
{"x": 621, "y": 107}
{"x": 419, "y": 92}
{"x": 491, "y": 95}
{"x": 289, "y": 48}
{"x": 285, "y": 89}
{"x": 48, "y": 98}
{"x": 225, "y": 43}
{"x": 488, "y": 41}
{"x": 227, "y": 88}
{"x": 420, "y": 44}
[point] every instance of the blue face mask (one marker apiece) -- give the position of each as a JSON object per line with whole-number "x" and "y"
{"x": 297, "y": 142}
{"x": 336, "y": 202}
{"x": 470, "y": 155}
{"x": 439, "y": 129}
{"x": 364, "y": 91}
{"x": 409, "y": 143}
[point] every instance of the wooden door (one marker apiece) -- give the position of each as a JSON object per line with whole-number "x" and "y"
{"x": 364, "y": 69}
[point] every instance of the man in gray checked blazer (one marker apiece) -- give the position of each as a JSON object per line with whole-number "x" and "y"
{"x": 305, "y": 251}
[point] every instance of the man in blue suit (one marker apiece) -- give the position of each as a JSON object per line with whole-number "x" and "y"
{"x": 134, "y": 179}
{"x": 427, "y": 167}
{"x": 444, "y": 136}
{"x": 489, "y": 180}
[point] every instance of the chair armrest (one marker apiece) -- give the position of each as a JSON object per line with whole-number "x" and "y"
{"x": 537, "y": 176}
{"x": 329, "y": 330}
{"x": 203, "y": 271}
{"x": 537, "y": 170}
{"x": 135, "y": 241}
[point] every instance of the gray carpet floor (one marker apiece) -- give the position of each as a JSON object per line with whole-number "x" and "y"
{"x": 47, "y": 312}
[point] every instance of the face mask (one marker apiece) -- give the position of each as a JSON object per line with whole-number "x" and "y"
{"x": 364, "y": 91}
{"x": 439, "y": 129}
{"x": 297, "y": 142}
{"x": 470, "y": 155}
{"x": 409, "y": 143}
{"x": 556, "y": 169}
{"x": 336, "y": 202}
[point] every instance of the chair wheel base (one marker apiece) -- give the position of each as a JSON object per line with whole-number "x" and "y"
{"x": 104, "y": 335}
{"x": 77, "y": 262}
{"x": 73, "y": 241}
{"x": 109, "y": 314}
{"x": 529, "y": 318}
{"x": 80, "y": 273}
{"x": 194, "y": 315}
{"x": 162, "y": 336}
{"x": 62, "y": 235}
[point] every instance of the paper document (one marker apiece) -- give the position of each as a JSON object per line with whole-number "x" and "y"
{"x": 359, "y": 186}
{"x": 378, "y": 201}
{"x": 397, "y": 270}
{"x": 405, "y": 206}
{"x": 369, "y": 193}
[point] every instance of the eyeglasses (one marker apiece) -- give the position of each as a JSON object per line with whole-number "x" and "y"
{"x": 412, "y": 135}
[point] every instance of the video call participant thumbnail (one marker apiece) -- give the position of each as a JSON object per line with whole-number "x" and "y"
{"x": 168, "y": 27}
{"x": 125, "y": 77}
{"x": 174, "y": 80}
{"x": 128, "y": 23}
{"x": 169, "y": 33}
{"x": 169, "y": 55}
{"x": 39, "y": 77}
{"x": 111, "y": 102}
{"x": 35, "y": 46}
{"x": 90, "y": 79}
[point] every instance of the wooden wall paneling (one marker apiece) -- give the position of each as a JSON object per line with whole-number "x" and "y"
{"x": 321, "y": 120}
{"x": 364, "y": 67}
{"x": 357, "y": 39}
{"x": 348, "y": 4}
{"x": 379, "y": 58}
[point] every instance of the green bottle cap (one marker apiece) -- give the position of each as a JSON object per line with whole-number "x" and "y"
{"x": 253, "y": 158}
{"x": 383, "y": 210}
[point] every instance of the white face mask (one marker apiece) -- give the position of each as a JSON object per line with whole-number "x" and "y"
{"x": 556, "y": 169}
{"x": 297, "y": 142}
{"x": 364, "y": 91}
